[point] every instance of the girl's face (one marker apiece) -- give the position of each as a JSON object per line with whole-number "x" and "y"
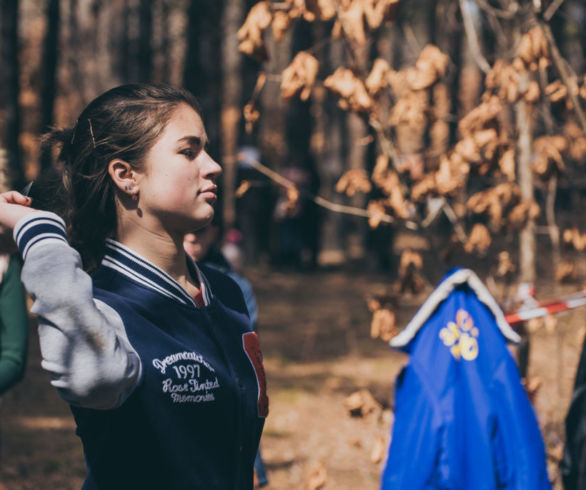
{"x": 177, "y": 185}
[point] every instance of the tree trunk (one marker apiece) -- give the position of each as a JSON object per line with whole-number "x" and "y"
{"x": 203, "y": 72}
{"x": 231, "y": 98}
{"x": 72, "y": 59}
{"x": 49, "y": 71}
{"x": 9, "y": 84}
{"x": 145, "y": 51}
{"x": 524, "y": 146}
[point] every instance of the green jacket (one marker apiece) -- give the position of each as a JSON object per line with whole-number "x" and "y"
{"x": 13, "y": 326}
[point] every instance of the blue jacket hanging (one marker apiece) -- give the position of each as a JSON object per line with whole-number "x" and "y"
{"x": 462, "y": 417}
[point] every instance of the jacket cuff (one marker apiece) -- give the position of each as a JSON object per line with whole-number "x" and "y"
{"x": 41, "y": 227}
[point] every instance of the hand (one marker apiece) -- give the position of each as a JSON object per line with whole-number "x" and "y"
{"x": 13, "y": 206}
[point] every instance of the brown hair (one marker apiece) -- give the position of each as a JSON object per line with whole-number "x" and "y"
{"x": 124, "y": 123}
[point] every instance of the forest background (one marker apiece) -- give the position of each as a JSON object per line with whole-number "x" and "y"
{"x": 366, "y": 142}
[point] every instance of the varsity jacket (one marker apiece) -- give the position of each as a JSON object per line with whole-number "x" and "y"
{"x": 165, "y": 394}
{"x": 462, "y": 418}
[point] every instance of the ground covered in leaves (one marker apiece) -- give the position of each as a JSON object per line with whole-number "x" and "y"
{"x": 314, "y": 330}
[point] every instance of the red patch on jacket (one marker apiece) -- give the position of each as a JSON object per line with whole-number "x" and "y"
{"x": 252, "y": 349}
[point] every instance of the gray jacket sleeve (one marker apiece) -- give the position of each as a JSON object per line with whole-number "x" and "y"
{"x": 83, "y": 341}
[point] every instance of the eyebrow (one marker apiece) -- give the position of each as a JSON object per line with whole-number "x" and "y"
{"x": 194, "y": 140}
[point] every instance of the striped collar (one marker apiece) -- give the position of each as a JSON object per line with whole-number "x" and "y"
{"x": 141, "y": 271}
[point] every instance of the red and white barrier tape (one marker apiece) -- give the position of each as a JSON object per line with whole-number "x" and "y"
{"x": 548, "y": 307}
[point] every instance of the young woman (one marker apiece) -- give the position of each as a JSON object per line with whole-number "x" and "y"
{"x": 154, "y": 353}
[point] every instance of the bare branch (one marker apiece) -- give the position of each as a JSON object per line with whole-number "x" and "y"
{"x": 552, "y": 9}
{"x": 473, "y": 38}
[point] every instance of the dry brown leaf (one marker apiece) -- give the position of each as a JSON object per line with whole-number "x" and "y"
{"x": 378, "y": 78}
{"x": 282, "y": 21}
{"x": 532, "y": 386}
{"x": 566, "y": 271}
{"x": 318, "y": 477}
{"x": 533, "y": 48}
{"x": 377, "y": 212}
{"x": 251, "y": 115}
{"x": 383, "y": 324}
{"x": 503, "y": 79}
{"x": 479, "y": 117}
{"x": 507, "y": 164}
{"x": 380, "y": 167}
{"x": 292, "y": 198}
{"x": 532, "y": 93}
{"x": 351, "y": 90}
{"x": 451, "y": 175}
{"x": 556, "y": 91}
{"x": 378, "y": 11}
{"x": 575, "y": 239}
{"x": 353, "y": 181}
{"x": 361, "y": 403}
{"x": 479, "y": 240}
{"x": 518, "y": 216}
{"x": 505, "y": 267}
{"x": 423, "y": 188}
{"x": 242, "y": 189}
{"x": 299, "y": 76}
{"x": 251, "y": 33}
{"x": 549, "y": 158}
{"x": 578, "y": 149}
{"x": 378, "y": 450}
{"x": 410, "y": 111}
{"x": 351, "y": 18}
{"x": 430, "y": 67}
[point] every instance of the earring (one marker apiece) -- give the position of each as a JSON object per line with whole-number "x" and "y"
{"x": 126, "y": 187}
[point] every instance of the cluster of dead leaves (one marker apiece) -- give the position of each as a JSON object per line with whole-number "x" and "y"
{"x": 356, "y": 16}
{"x": 548, "y": 160}
{"x": 430, "y": 67}
{"x": 451, "y": 175}
{"x": 574, "y": 239}
{"x": 387, "y": 180}
{"x": 261, "y": 17}
{"x": 494, "y": 202}
{"x": 383, "y": 322}
{"x": 503, "y": 205}
{"x": 576, "y": 142}
{"x": 299, "y": 77}
{"x": 533, "y": 52}
{"x": 251, "y": 34}
{"x": 351, "y": 90}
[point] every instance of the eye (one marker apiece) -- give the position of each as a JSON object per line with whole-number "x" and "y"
{"x": 189, "y": 153}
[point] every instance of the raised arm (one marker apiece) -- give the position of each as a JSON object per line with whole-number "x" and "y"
{"x": 83, "y": 341}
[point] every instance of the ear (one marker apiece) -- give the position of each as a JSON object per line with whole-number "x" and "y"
{"x": 123, "y": 176}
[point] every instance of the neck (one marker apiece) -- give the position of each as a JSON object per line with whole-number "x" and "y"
{"x": 159, "y": 247}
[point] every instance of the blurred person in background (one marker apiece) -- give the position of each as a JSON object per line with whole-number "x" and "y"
{"x": 204, "y": 247}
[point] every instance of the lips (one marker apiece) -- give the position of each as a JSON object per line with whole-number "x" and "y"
{"x": 210, "y": 193}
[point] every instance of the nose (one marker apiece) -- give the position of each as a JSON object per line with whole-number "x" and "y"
{"x": 211, "y": 168}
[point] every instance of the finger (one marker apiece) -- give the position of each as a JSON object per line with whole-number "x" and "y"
{"x": 14, "y": 197}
